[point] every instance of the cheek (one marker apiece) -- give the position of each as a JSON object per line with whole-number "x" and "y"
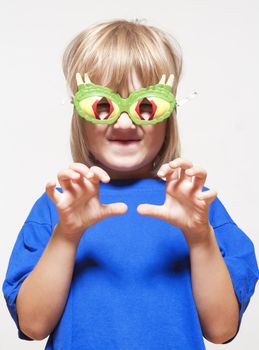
{"x": 94, "y": 134}
{"x": 156, "y": 135}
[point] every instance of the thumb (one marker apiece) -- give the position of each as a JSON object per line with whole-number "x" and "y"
{"x": 114, "y": 209}
{"x": 151, "y": 210}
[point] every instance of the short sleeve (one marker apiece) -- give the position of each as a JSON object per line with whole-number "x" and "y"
{"x": 31, "y": 241}
{"x": 238, "y": 252}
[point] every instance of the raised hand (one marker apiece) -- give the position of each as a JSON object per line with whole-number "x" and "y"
{"x": 79, "y": 206}
{"x": 185, "y": 206}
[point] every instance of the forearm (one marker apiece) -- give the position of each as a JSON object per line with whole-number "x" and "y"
{"x": 44, "y": 292}
{"x": 213, "y": 291}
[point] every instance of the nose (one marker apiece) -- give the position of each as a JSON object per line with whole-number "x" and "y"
{"x": 124, "y": 122}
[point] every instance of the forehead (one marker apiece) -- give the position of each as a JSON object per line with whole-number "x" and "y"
{"x": 130, "y": 83}
{"x": 134, "y": 83}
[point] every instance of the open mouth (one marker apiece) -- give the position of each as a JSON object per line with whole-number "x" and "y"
{"x": 125, "y": 142}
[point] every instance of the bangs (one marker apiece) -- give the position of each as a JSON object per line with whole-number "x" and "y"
{"x": 114, "y": 52}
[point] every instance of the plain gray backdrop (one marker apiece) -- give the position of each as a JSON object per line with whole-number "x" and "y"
{"x": 219, "y": 128}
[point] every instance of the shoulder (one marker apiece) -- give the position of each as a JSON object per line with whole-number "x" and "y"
{"x": 43, "y": 211}
{"x": 218, "y": 214}
{"x": 40, "y": 211}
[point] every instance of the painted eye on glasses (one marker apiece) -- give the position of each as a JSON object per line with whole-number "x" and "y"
{"x": 99, "y": 107}
{"x": 146, "y": 109}
{"x": 149, "y": 108}
{"x": 103, "y": 108}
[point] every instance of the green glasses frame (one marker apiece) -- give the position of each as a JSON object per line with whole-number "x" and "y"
{"x": 160, "y": 93}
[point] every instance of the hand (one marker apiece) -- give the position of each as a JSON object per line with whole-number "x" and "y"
{"x": 79, "y": 206}
{"x": 185, "y": 206}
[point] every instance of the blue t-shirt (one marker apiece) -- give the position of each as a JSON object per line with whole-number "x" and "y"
{"x": 131, "y": 287}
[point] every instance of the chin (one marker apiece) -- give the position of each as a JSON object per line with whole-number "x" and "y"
{"x": 124, "y": 164}
{"x": 124, "y": 167}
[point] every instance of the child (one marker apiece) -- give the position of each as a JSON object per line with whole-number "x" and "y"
{"x": 132, "y": 251}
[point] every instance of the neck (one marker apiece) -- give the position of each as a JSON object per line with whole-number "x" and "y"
{"x": 144, "y": 172}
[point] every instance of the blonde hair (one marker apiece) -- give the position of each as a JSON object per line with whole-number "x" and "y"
{"x": 107, "y": 52}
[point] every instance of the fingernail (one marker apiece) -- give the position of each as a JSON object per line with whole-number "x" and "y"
{"x": 89, "y": 174}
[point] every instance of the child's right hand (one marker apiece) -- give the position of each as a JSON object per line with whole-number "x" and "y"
{"x": 79, "y": 206}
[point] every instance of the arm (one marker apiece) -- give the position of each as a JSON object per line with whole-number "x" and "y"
{"x": 213, "y": 290}
{"x": 43, "y": 294}
{"x": 187, "y": 206}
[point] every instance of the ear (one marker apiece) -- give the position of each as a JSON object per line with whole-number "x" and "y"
{"x": 80, "y": 81}
{"x": 170, "y": 80}
{"x": 162, "y": 80}
{"x": 87, "y": 79}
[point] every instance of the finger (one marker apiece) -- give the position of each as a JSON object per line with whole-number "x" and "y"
{"x": 66, "y": 176}
{"x": 167, "y": 173}
{"x": 113, "y": 209}
{"x": 182, "y": 164}
{"x": 97, "y": 174}
{"x": 51, "y": 191}
{"x": 199, "y": 176}
{"x": 184, "y": 176}
{"x": 85, "y": 174}
{"x": 103, "y": 174}
{"x": 208, "y": 196}
{"x": 151, "y": 210}
{"x": 81, "y": 168}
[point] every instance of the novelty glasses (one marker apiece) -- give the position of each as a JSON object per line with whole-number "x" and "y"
{"x": 101, "y": 105}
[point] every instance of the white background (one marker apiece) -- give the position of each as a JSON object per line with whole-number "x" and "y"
{"x": 219, "y": 129}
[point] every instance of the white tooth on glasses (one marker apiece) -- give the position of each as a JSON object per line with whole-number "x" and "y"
{"x": 79, "y": 79}
{"x": 170, "y": 80}
{"x": 162, "y": 80}
{"x": 87, "y": 79}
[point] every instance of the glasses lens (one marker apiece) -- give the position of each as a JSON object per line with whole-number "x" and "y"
{"x": 102, "y": 108}
{"x": 149, "y": 108}
{"x": 98, "y": 108}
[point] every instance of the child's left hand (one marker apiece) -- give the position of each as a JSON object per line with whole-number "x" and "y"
{"x": 185, "y": 206}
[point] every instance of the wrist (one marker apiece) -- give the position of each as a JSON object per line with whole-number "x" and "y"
{"x": 201, "y": 237}
{"x": 72, "y": 239}
{"x": 206, "y": 249}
